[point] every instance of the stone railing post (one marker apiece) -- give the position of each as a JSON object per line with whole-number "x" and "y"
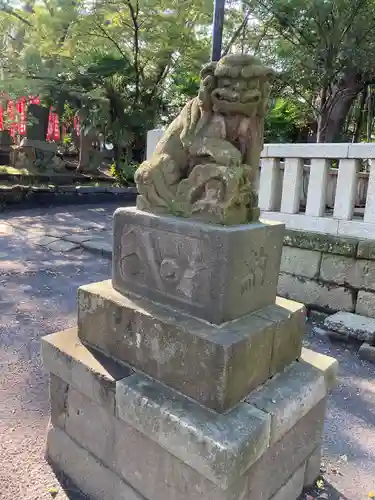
{"x": 269, "y": 184}
{"x": 369, "y": 215}
{"x": 345, "y": 189}
{"x": 153, "y": 137}
{"x": 290, "y": 200}
{"x": 316, "y": 194}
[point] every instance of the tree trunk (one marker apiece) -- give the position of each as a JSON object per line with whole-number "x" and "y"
{"x": 336, "y": 108}
{"x": 361, "y": 115}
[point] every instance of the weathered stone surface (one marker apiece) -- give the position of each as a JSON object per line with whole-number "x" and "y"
{"x": 44, "y": 240}
{"x": 327, "y": 365}
{"x": 204, "y": 165}
{"x": 98, "y": 245}
{"x": 367, "y": 352}
{"x": 62, "y": 246}
{"x": 198, "y": 268}
{"x": 287, "y": 340}
{"x": 366, "y": 250}
{"x": 289, "y": 396}
{"x": 86, "y": 472}
{"x": 321, "y": 242}
{"x": 77, "y": 237}
{"x": 281, "y": 460}
{"x": 141, "y": 462}
{"x": 157, "y": 474}
{"x": 346, "y": 271}
{"x": 35, "y": 154}
{"x": 293, "y": 487}
{"x": 58, "y": 396}
{"x": 314, "y": 293}
{"x": 220, "y": 447}
{"x": 88, "y": 371}
{"x": 300, "y": 262}
{"x": 338, "y": 269}
{"x": 365, "y": 304}
{"x": 352, "y": 325}
{"x": 215, "y": 366}
{"x": 313, "y": 468}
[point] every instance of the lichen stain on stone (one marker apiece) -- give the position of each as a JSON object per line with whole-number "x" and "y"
{"x": 138, "y": 340}
{"x": 204, "y": 166}
{"x": 165, "y": 353}
{"x": 89, "y": 303}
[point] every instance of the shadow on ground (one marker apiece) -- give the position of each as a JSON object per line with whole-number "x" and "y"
{"x": 325, "y": 491}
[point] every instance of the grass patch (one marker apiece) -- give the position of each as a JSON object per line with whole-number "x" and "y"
{"x": 14, "y": 171}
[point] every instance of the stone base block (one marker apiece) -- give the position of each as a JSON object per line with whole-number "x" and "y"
{"x": 85, "y": 471}
{"x": 215, "y": 365}
{"x": 328, "y": 366}
{"x": 365, "y": 304}
{"x": 87, "y": 370}
{"x": 315, "y": 293}
{"x": 312, "y": 471}
{"x": 159, "y": 445}
{"x": 217, "y": 273}
{"x": 293, "y": 487}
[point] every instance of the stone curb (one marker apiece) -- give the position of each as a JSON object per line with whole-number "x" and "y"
{"x": 80, "y": 195}
{"x": 97, "y": 247}
{"x": 353, "y": 326}
{"x": 351, "y": 329}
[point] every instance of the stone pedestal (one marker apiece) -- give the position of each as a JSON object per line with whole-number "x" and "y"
{"x": 32, "y": 154}
{"x": 185, "y": 378}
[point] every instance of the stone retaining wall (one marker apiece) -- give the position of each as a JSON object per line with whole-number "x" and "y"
{"x": 34, "y": 196}
{"x": 328, "y": 273}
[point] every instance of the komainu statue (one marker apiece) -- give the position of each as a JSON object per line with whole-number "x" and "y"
{"x": 205, "y": 164}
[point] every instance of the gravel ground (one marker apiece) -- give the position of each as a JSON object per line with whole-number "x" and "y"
{"x": 349, "y": 447}
{"x": 38, "y": 296}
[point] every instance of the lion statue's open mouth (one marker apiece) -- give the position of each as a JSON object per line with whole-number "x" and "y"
{"x": 231, "y": 101}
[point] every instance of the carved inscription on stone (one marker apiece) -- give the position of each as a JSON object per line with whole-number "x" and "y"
{"x": 257, "y": 271}
{"x": 166, "y": 262}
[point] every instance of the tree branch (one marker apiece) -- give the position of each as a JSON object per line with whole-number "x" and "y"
{"x": 12, "y": 12}
{"x": 237, "y": 33}
{"x": 134, "y": 12}
{"x": 108, "y": 36}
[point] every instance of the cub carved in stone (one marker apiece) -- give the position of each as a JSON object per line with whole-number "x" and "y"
{"x": 204, "y": 165}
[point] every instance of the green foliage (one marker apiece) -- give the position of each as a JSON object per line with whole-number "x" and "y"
{"x": 67, "y": 140}
{"x": 124, "y": 172}
{"x": 321, "y": 48}
{"x": 284, "y": 121}
{"x": 129, "y": 65}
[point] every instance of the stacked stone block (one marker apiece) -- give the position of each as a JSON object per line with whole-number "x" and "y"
{"x": 185, "y": 378}
{"x": 329, "y": 273}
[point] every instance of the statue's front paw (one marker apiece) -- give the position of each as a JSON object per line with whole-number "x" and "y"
{"x": 142, "y": 176}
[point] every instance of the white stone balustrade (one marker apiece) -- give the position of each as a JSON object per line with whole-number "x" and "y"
{"x": 299, "y": 186}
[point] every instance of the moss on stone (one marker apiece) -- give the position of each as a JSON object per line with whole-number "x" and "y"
{"x": 322, "y": 242}
{"x": 366, "y": 250}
